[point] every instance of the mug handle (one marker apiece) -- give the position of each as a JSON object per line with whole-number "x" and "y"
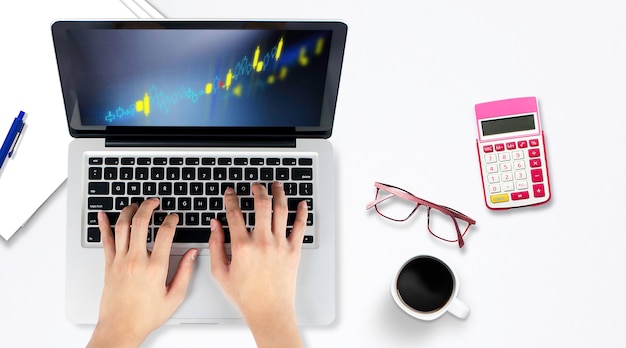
{"x": 459, "y": 309}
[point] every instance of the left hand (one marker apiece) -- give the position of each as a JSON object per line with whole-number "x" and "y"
{"x": 136, "y": 299}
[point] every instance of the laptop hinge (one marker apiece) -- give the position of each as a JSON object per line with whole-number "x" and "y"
{"x": 198, "y": 142}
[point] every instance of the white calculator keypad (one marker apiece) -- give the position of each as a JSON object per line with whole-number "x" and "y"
{"x": 514, "y": 172}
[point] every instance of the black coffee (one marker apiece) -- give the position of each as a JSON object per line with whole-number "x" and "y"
{"x": 425, "y": 284}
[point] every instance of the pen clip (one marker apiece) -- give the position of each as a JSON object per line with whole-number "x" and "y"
{"x": 17, "y": 138}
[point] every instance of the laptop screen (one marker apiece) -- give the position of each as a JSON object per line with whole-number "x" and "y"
{"x": 198, "y": 74}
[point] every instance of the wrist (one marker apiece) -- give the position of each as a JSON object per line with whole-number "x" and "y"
{"x": 275, "y": 329}
{"x": 111, "y": 336}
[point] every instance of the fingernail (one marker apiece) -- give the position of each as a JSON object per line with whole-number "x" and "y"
{"x": 229, "y": 190}
{"x": 278, "y": 183}
{"x": 100, "y": 215}
{"x": 193, "y": 255}
{"x": 213, "y": 224}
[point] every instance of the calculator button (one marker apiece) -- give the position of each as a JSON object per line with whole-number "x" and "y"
{"x": 522, "y": 144}
{"x": 510, "y": 145}
{"x": 493, "y": 178}
{"x": 494, "y": 188}
{"x": 517, "y": 155}
{"x": 505, "y": 167}
{"x": 516, "y": 196}
{"x": 538, "y": 190}
{"x": 499, "y": 147}
{"x": 520, "y": 175}
{"x": 504, "y": 156}
{"x": 507, "y": 187}
{"x": 488, "y": 148}
{"x": 519, "y": 165}
{"x": 533, "y": 142}
{"x": 521, "y": 185}
{"x": 534, "y": 163}
{"x": 493, "y": 168}
{"x": 504, "y": 197}
{"x": 533, "y": 153}
{"x": 507, "y": 177}
{"x": 490, "y": 158}
{"x": 536, "y": 175}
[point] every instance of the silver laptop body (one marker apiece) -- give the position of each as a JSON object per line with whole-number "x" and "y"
{"x": 206, "y": 104}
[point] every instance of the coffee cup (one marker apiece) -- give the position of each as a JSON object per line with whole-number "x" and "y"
{"x": 426, "y": 287}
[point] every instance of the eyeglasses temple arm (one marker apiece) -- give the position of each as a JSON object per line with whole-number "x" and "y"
{"x": 376, "y": 201}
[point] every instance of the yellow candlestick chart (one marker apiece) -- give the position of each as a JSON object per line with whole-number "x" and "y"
{"x": 229, "y": 82}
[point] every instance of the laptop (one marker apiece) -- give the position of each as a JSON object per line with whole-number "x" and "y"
{"x": 182, "y": 109}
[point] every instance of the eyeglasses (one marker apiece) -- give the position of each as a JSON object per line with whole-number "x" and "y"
{"x": 397, "y": 204}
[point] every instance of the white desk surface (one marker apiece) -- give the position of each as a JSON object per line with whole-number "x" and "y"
{"x": 535, "y": 277}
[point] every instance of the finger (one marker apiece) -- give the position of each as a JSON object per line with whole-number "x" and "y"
{"x": 262, "y": 209}
{"x": 299, "y": 225}
{"x": 122, "y": 228}
{"x": 140, "y": 223}
{"x": 236, "y": 223}
{"x": 178, "y": 286}
{"x": 108, "y": 243}
{"x": 281, "y": 211}
{"x": 164, "y": 238}
{"x": 219, "y": 259}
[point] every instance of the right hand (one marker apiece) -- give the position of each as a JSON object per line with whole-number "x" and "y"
{"x": 260, "y": 277}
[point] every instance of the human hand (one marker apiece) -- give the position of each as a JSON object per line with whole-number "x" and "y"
{"x": 260, "y": 277}
{"x": 135, "y": 299}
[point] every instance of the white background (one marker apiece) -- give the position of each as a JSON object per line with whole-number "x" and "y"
{"x": 534, "y": 277}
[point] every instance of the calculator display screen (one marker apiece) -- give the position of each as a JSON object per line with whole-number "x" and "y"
{"x": 508, "y": 125}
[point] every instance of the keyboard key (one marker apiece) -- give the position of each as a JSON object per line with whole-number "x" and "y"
{"x": 112, "y": 161}
{"x": 292, "y": 203}
{"x": 216, "y": 203}
{"x": 306, "y": 189}
{"x": 305, "y": 161}
{"x": 144, "y": 161}
{"x": 241, "y": 161}
{"x": 160, "y": 161}
{"x": 121, "y": 203}
{"x": 267, "y": 174}
{"x": 192, "y": 161}
{"x": 100, "y": 203}
{"x": 141, "y": 173}
{"x": 95, "y": 160}
{"x": 93, "y": 234}
{"x": 251, "y": 174}
{"x": 168, "y": 203}
{"x": 208, "y": 161}
{"x": 301, "y": 173}
{"x": 192, "y": 235}
{"x": 157, "y": 173}
{"x": 184, "y": 203}
{"x": 98, "y": 188}
{"x": 289, "y": 161}
{"x": 95, "y": 173}
{"x": 282, "y": 174}
{"x": 110, "y": 173}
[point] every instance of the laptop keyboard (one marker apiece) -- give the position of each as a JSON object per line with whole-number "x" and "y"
{"x": 192, "y": 186}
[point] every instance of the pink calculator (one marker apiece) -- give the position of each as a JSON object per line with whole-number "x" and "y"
{"x": 512, "y": 153}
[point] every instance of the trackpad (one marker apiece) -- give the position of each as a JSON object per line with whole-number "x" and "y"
{"x": 205, "y": 301}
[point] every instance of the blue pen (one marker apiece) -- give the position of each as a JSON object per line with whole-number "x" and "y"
{"x": 11, "y": 139}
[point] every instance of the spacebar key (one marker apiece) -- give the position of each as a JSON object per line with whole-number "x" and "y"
{"x": 192, "y": 235}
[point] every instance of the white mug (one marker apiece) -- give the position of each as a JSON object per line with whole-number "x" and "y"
{"x": 426, "y": 287}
